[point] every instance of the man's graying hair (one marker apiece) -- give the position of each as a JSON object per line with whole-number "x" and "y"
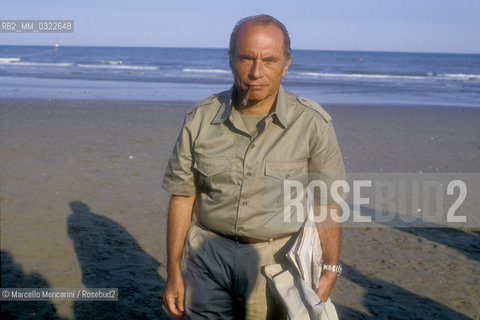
{"x": 263, "y": 19}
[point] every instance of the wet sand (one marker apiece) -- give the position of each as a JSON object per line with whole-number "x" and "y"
{"x": 82, "y": 206}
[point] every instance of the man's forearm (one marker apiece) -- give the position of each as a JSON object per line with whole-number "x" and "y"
{"x": 179, "y": 220}
{"x": 330, "y": 235}
{"x": 329, "y": 232}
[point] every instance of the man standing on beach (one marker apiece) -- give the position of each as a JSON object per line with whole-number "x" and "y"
{"x": 228, "y": 166}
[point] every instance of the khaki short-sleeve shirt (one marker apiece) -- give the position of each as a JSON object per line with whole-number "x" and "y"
{"x": 239, "y": 178}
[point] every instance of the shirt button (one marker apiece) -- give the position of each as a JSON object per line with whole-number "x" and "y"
{"x": 244, "y": 202}
{"x": 242, "y": 229}
{"x": 252, "y": 146}
{"x": 249, "y": 174}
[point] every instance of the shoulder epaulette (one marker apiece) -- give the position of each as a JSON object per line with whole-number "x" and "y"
{"x": 315, "y": 106}
{"x": 189, "y": 115}
{"x": 208, "y": 100}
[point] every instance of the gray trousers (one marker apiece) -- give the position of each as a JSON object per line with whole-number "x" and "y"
{"x": 224, "y": 278}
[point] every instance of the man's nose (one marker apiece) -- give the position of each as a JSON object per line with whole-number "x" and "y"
{"x": 256, "y": 71}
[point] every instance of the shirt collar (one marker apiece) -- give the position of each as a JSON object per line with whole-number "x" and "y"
{"x": 227, "y": 99}
{"x": 226, "y": 105}
{"x": 281, "y": 107}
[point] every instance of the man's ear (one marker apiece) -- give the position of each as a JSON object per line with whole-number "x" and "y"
{"x": 285, "y": 68}
{"x": 230, "y": 61}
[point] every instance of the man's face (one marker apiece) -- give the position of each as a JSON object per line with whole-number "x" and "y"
{"x": 259, "y": 60}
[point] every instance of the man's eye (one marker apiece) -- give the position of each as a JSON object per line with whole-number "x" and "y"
{"x": 244, "y": 60}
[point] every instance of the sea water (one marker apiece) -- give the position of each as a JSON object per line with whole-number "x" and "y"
{"x": 191, "y": 74}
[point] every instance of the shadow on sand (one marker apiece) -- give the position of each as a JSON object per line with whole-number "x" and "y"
{"x": 110, "y": 257}
{"x": 465, "y": 243}
{"x": 14, "y": 277}
{"x": 385, "y": 300}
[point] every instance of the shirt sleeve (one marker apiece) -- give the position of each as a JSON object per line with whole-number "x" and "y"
{"x": 326, "y": 162}
{"x": 179, "y": 178}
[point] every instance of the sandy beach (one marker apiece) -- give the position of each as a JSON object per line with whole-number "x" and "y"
{"x": 81, "y": 205}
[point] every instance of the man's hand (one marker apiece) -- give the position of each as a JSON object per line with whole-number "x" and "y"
{"x": 325, "y": 286}
{"x": 174, "y": 295}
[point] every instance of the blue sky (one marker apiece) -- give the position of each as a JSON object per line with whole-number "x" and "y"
{"x": 370, "y": 25}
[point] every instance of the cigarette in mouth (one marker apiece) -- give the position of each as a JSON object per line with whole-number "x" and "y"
{"x": 245, "y": 99}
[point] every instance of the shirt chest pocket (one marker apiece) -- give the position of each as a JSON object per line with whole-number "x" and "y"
{"x": 213, "y": 178}
{"x": 276, "y": 173}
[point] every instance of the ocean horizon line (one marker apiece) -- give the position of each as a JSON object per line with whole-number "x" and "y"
{"x": 226, "y": 48}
